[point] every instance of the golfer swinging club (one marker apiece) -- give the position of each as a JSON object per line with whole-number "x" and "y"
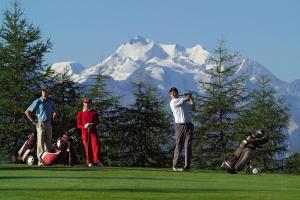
{"x": 87, "y": 121}
{"x": 184, "y": 128}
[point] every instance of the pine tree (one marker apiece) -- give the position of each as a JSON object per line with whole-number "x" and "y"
{"x": 148, "y": 131}
{"x": 102, "y": 99}
{"x": 219, "y": 107}
{"x": 292, "y": 163}
{"x": 269, "y": 112}
{"x": 21, "y": 70}
{"x": 66, "y": 95}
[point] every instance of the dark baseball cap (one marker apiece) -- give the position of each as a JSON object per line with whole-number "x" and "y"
{"x": 173, "y": 89}
{"x": 44, "y": 88}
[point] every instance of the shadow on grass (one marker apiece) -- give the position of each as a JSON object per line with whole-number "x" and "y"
{"x": 132, "y": 190}
{"x": 84, "y": 168}
{"x": 3, "y": 178}
{"x": 52, "y": 168}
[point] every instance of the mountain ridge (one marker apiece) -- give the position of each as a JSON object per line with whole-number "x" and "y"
{"x": 168, "y": 65}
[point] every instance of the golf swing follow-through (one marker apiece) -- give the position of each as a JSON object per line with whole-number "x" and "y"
{"x": 184, "y": 128}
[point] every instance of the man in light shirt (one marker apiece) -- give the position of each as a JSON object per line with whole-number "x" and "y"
{"x": 45, "y": 112}
{"x": 184, "y": 127}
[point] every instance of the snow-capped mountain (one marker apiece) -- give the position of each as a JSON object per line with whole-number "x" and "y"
{"x": 168, "y": 65}
{"x": 72, "y": 69}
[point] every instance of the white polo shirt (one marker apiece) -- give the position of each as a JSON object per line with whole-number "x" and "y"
{"x": 180, "y": 110}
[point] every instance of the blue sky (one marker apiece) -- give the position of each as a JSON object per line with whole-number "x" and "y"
{"x": 87, "y": 31}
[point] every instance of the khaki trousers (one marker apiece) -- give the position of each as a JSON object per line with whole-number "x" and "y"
{"x": 44, "y": 137}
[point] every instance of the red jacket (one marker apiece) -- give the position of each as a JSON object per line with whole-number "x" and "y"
{"x": 84, "y": 117}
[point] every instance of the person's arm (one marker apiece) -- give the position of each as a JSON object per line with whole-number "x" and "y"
{"x": 96, "y": 120}
{"x": 192, "y": 102}
{"x": 79, "y": 121}
{"x": 28, "y": 115}
{"x": 177, "y": 102}
{"x": 30, "y": 109}
{"x": 54, "y": 114}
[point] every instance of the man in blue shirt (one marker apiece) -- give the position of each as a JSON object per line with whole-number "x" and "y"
{"x": 45, "y": 111}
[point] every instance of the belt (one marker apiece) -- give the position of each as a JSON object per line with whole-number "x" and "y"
{"x": 45, "y": 121}
{"x": 184, "y": 123}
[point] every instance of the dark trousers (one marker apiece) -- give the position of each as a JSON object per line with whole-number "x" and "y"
{"x": 240, "y": 158}
{"x": 184, "y": 137}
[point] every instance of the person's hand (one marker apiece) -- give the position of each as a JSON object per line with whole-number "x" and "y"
{"x": 187, "y": 94}
{"x": 35, "y": 123}
{"x": 90, "y": 125}
{"x": 54, "y": 118}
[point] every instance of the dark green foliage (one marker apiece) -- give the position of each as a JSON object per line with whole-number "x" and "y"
{"x": 135, "y": 136}
{"x": 268, "y": 112}
{"x": 21, "y": 71}
{"x": 67, "y": 98}
{"x": 218, "y": 110}
{"x": 292, "y": 163}
{"x": 147, "y": 131}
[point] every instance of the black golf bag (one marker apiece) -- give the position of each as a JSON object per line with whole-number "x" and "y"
{"x": 245, "y": 152}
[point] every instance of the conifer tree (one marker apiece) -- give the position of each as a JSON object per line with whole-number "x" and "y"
{"x": 148, "y": 131}
{"x": 217, "y": 110}
{"x": 22, "y": 69}
{"x": 269, "y": 112}
{"x": 66, "y": 95}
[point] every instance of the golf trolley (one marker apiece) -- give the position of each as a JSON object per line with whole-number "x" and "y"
{"x": 27, "y": 152}
{"x": 250, "y": 169}
{"x": 64, "y": 150}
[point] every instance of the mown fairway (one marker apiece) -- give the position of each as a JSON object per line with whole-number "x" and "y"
{"x": 23, "y": 182}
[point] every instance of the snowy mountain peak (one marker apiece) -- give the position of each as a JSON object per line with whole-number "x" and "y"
{"x": 173, "y": 50}
{"x": 139, "y": 40}
{"x": 134, "y": 49}
{"x": 68, "y": 67}
{"x": 198, "y": 54}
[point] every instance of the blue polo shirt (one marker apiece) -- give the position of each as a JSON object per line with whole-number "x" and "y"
{"x": 42, "y": 108}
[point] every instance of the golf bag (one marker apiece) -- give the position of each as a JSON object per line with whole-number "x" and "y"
{"x": 27, "y": 152}
{"x": 245, "y": 152}
{"x": 64, "y": 150}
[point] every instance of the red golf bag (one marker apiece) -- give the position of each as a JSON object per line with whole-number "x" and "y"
{"x": 64, "y": 151}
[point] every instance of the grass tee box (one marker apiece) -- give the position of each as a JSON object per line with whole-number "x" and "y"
{"x": 23, "y": 182}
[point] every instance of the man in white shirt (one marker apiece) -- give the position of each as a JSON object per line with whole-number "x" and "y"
{"x": 184, "y": 127}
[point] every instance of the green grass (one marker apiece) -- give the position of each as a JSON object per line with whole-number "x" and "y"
{"x": 24, "y": 182}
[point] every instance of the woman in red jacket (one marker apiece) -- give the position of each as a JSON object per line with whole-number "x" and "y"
{"x": 87, "y": 121}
